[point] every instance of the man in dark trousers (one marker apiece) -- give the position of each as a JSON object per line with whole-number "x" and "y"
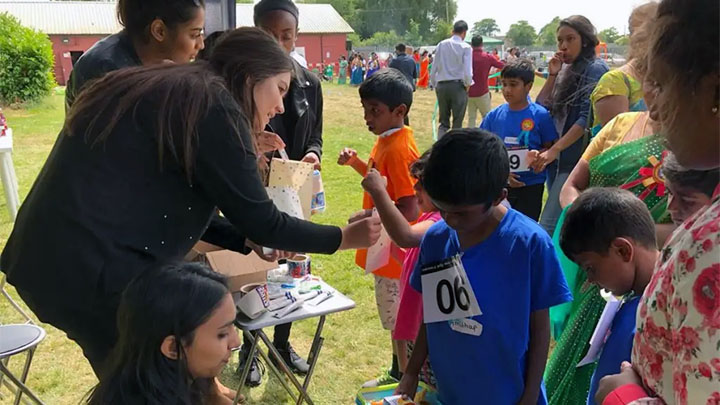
{"x": 406, "y": 65}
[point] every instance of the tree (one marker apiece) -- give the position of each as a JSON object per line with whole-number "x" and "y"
{"x": 521, "y": 33}
{"x": 548, "y": 33}
{"x": 609, "y": 35}
{"x": 486, "y": 27}
{"x": 26, "y": 62}
{"x": 623, "y": 40}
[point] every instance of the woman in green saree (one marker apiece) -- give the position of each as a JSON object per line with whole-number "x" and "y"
{"x": 627, "y": 153}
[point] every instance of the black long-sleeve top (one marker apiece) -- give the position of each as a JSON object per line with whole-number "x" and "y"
{"x": 98, "y": 216}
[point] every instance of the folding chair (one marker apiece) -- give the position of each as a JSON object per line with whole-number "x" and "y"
{"x": 16, "y": 339}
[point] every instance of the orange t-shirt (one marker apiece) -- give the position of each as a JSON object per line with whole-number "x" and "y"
{"x": 392, "y": 156}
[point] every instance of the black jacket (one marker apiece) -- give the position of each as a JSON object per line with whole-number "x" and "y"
{"x": 116, "y": 52}
{"x": 98, "y": 216}
{"x": 406, "y": 65}
{"x": 300, "y": 127}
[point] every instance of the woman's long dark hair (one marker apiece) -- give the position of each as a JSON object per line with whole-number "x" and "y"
{"x": 567, "y": 92}
{"x": 137, "y": 15}
{"x": 181, "y": 96}
{"x": 171, "y": 301}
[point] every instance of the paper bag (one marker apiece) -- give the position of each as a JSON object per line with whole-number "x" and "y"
{"x": 292, "y": 175}
{"x": 378, "y": 255}
{"x": 286, "y": 200}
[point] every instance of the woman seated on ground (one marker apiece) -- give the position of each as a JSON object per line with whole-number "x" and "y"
{"x": 176, "y": 335}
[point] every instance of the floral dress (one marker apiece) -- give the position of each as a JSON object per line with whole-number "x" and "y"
{"x": 677, "y": 344}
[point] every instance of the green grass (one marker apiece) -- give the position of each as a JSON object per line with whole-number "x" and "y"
{"x": 356, "y": 348}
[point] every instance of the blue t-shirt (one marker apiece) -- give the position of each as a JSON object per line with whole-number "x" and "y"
{"x": 618, "y": 346}
{"x": 513, "y": 272}
{"x": 529, "y": 128}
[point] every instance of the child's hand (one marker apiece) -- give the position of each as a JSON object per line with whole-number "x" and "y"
{"x": 374, "y": 183}
{"x": 609, "y": 383}
{"x": 346, "y": 155}
{"x": 532, "y": 156}
{"x": 407, "y": 386}
{"x": 514, "y": 181}
{"x": 544, "y": 159}
{"x": 360, "y": 215}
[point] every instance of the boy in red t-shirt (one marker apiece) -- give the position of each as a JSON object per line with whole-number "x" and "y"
{"x": 386, "y": 99}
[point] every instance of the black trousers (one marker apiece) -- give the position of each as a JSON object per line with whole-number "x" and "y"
{"x": 527, "y": 200}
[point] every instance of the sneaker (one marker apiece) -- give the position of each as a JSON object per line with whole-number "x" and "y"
{"x": 297, "y": 364}
{"x": 383, "y": 379}
{"x": 257, "y": 369}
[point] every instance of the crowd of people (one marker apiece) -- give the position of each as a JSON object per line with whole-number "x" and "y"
{"x": 166, "y": 130}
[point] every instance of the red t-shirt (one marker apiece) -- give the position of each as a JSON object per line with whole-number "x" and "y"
{"x": 482, "y": 62}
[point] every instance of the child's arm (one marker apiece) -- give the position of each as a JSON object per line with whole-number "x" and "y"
{"x": 409, "y": 382}
{"x": 408, "y": 206}
{"x": 395, "y": 222}
{"x": 349, "y": 157}
{"x": 537, "y": 355}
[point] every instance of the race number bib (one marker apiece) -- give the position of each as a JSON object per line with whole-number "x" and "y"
{"x": 447, "y": 294}
{"x": 518, "y": 160}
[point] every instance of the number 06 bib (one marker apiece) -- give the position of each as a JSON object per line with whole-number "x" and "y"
{"x": 447, "y": 294}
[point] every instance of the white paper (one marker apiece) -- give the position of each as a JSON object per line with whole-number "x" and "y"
{"x": 378, "y": 255}
{"x": 597, "y": 341}
{"x": 286, "y": 200}
{"x": 518, "y": 160}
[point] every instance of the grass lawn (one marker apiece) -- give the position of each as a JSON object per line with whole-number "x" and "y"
{"x": 355, "y": 349}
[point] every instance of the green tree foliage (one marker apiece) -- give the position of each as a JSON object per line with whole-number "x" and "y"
{"x": 416, "y": 21}
{"x": 623, "y": 40}
{"x": 521, "y": 33}
{"x": 609, "y": 35}
{"x": 26, "y": 62}
{"x": 548, "y": 33}
{"x": 487, "y": 27}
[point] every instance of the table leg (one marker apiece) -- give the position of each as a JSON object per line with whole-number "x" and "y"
{"x": 314, "y": 353}
{"x": 303, "y": 393}
{"x": 21, "y": 387}
{"x": 246, "y": 369}
{"x": 277, "y": 373}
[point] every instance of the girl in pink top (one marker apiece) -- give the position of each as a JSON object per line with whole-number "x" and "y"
{"x": 405, "y": 236}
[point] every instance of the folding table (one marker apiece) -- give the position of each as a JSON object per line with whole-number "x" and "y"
{"x": 253, "y": 334}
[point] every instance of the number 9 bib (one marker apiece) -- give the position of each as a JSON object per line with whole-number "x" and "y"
{"x": 447, "y": 294}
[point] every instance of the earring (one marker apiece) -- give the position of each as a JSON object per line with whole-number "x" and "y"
{"x": 715, "y": 110}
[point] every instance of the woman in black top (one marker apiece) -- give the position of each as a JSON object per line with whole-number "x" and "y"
{"x": 146, "y": 157}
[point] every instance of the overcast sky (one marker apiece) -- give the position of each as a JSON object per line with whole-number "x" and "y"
{"x": 602, "y": 13}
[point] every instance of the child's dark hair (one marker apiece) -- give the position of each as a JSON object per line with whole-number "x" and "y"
{"x": 522, "y": 69}
{"x": 476, "y": 41}
{"x": 137, "y": 15}
{"x": 417, "y": 168}
{"x": 390, "y": 87}
{"x": 704, "y": 181}
{"x": 210, "y": 42}
{"x": 599, "y": 216}
{"x": 466, "y": 167}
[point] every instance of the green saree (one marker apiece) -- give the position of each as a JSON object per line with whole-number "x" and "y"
{"x": 634, "y": 166}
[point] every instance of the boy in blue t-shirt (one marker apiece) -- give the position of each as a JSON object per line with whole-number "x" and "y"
{"x": 526, "y": 128}
{"x": 610, "y": 234}
{"x": 487, "y": 275}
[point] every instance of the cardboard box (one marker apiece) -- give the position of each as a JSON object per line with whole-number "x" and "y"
{"x": 239, "y": 269}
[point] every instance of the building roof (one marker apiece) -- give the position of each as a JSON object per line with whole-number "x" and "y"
{"x": 99, "y": 17}
{"x": 65, "y": 17}
{"x": 314, "y": 19}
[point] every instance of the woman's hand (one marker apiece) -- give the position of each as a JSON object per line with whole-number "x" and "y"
{"x": 274, "y": 254}
{"x": 609, "y": 383}
{"x": 312, "y": 158}
{"x": 555, "y": 63}
{"x": 374, "y": 183}
{"x": 544, "y": 159}
{"x": 269, "y": 142}
{"x": 361, "y": 234}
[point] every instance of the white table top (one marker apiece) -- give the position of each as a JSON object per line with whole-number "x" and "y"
{"x": 337, "y": 303}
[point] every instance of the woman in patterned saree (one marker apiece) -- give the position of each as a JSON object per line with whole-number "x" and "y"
{"x": 627, "y": 153}
{"x": 676, "y": 350}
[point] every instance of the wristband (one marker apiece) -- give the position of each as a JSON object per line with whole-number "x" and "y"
{"x": 625, "y": 394}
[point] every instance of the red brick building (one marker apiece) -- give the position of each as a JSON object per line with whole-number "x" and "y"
{"x": 74, "y": 26}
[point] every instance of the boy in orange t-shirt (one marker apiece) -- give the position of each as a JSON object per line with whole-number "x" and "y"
{"x": 386, "y": 99}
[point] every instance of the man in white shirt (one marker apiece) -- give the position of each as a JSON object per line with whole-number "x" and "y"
{"x": 451, "y": 77}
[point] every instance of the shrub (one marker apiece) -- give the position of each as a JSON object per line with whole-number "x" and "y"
{"x": 26, "y": 62}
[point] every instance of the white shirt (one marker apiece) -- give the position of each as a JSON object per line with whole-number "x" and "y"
{"x": 299, "y": 58}
{"x": 453, "y": 61}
